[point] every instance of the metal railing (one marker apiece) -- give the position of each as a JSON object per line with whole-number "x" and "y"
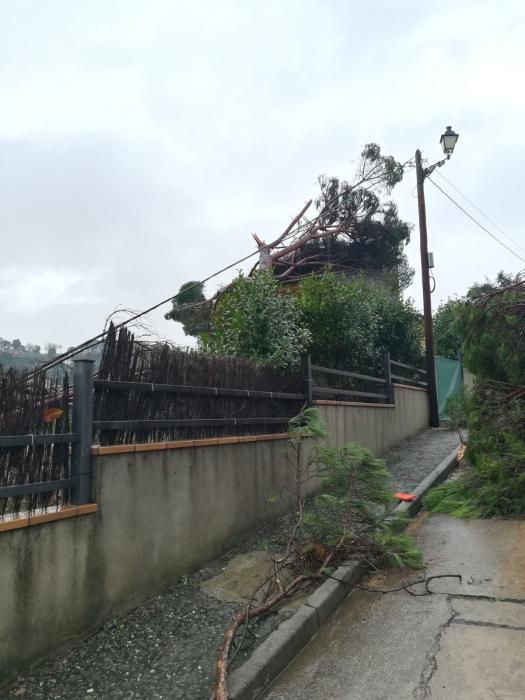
{"x": 148, "y": 387}
{"x": 184, "y": 423}
{"x": 79, "y": 480}
{"x": 166, "y": 423}
{"x": 418, "y": 377}
{"x": 385, "y": 395}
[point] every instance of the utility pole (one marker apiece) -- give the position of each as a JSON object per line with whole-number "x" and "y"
{"x": 427, "y": 302}
{"x": 448, "y": 142}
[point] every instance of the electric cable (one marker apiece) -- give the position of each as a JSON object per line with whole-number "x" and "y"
{"x": 454, "y": 187}
{"x": 95, "y": 340}
{"x": 483, "y": 228}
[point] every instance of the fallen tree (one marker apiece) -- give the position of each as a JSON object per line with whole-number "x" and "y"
{"x": 354, "y": 229}
{"x": 494, "y": 329}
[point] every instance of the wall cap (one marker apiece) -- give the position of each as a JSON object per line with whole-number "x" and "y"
{"x": 358, "y": 404}
{"x": 41, "y": 517}
{"x": 179, "y": 444}
{"x": 408, "y": 386}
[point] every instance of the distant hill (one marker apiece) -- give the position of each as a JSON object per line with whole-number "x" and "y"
{"x": 14, "y": 354}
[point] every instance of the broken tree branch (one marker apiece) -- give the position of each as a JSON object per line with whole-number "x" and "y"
{"x": 221, "y": 689}
{"x": 290, "y": 226}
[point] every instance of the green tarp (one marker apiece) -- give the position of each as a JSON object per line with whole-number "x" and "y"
{"x": 449, "y": 379}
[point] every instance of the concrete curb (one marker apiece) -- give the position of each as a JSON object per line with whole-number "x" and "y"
{"x": 282, "y": 646}
{"x": 435, "y": 477}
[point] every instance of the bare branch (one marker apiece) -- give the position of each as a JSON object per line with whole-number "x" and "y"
{"x": 290, "y": 226}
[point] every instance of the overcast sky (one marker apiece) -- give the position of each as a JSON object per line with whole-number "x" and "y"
{"x": 143, "y": 142}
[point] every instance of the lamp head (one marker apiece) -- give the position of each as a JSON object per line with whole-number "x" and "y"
{"x": 448, "y": 141}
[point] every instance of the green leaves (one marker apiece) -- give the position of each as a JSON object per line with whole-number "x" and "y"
{"x": 356, "y": 492}
{"x": 493, "y": 322}
{"x": 190, "y": 309}
{"x": 258, "y": 320}
{"x": 352, "y": 324}
{"x": 454, "y": 498}
{"x": 353, "y": 514}
{"x": 307, "y": 424}
{"x": 397, "y": 548}
{"x": 373, "y": 234}
{"x": 190, "y": 293}
{"x": 448, "y": 330}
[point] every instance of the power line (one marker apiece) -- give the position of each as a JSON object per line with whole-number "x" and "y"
{"x": 98, "y": 338}
{"x": 481, "y": 212}
{"x": 95, "y": 340}
{"x": 475, "y": 220}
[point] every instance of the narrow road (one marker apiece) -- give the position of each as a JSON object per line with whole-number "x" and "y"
{"x": 465, "y": 642}
{"x": 167, "y": 647}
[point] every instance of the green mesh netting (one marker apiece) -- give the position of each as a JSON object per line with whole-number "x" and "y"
{"x": 449, "y": 378}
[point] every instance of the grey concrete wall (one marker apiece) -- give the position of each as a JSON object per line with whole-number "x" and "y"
{"x": 378, "y": 428}
{"x": 51, "y": 589}
{"x": 160, "y": 514}
{"x": 179, "y": 509}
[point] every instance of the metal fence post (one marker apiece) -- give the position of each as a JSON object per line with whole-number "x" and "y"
{"x": 389, "y": 387}
{"x": 309, "y": 380}
{"x": 83, "y": 428}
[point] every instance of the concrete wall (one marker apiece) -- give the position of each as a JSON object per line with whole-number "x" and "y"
{"x": 377, "y": 427}
{"x": 181, "y": 509}
{"x": 161, "y": 513}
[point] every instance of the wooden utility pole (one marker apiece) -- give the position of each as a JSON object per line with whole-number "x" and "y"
{"x": 427, "y": 302}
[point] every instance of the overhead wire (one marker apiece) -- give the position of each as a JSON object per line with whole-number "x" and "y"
{"x": 485, "y": 216}
{"x": 95, "y": 340}
{"x": 484, "y": 228}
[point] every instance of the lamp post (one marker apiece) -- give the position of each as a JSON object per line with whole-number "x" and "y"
{"x": 448, "y": 142}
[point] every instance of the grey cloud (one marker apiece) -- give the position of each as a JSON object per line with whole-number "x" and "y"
{"x": 141, "y": 144}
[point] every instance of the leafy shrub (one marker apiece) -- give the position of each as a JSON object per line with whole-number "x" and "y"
{"x": 352, "y": 324}
{"x": 253, "y": 320}
{"x": 342, "y": 323}
{"x": 448, "y": 330}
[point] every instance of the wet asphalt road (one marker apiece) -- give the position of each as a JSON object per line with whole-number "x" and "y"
{"x": 465, "y": 642}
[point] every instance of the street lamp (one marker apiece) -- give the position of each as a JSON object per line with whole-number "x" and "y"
{"x": 448, "y": 141}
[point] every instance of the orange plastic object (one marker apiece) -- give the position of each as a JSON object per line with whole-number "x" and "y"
{"x": 51, "y": 414}
{"x": 405, "y": 496}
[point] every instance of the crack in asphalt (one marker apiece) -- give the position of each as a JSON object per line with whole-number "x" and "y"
{"x": 422, "y": 690}
{"x": 487, "y": 598}
{"x": 481, "y": 623}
